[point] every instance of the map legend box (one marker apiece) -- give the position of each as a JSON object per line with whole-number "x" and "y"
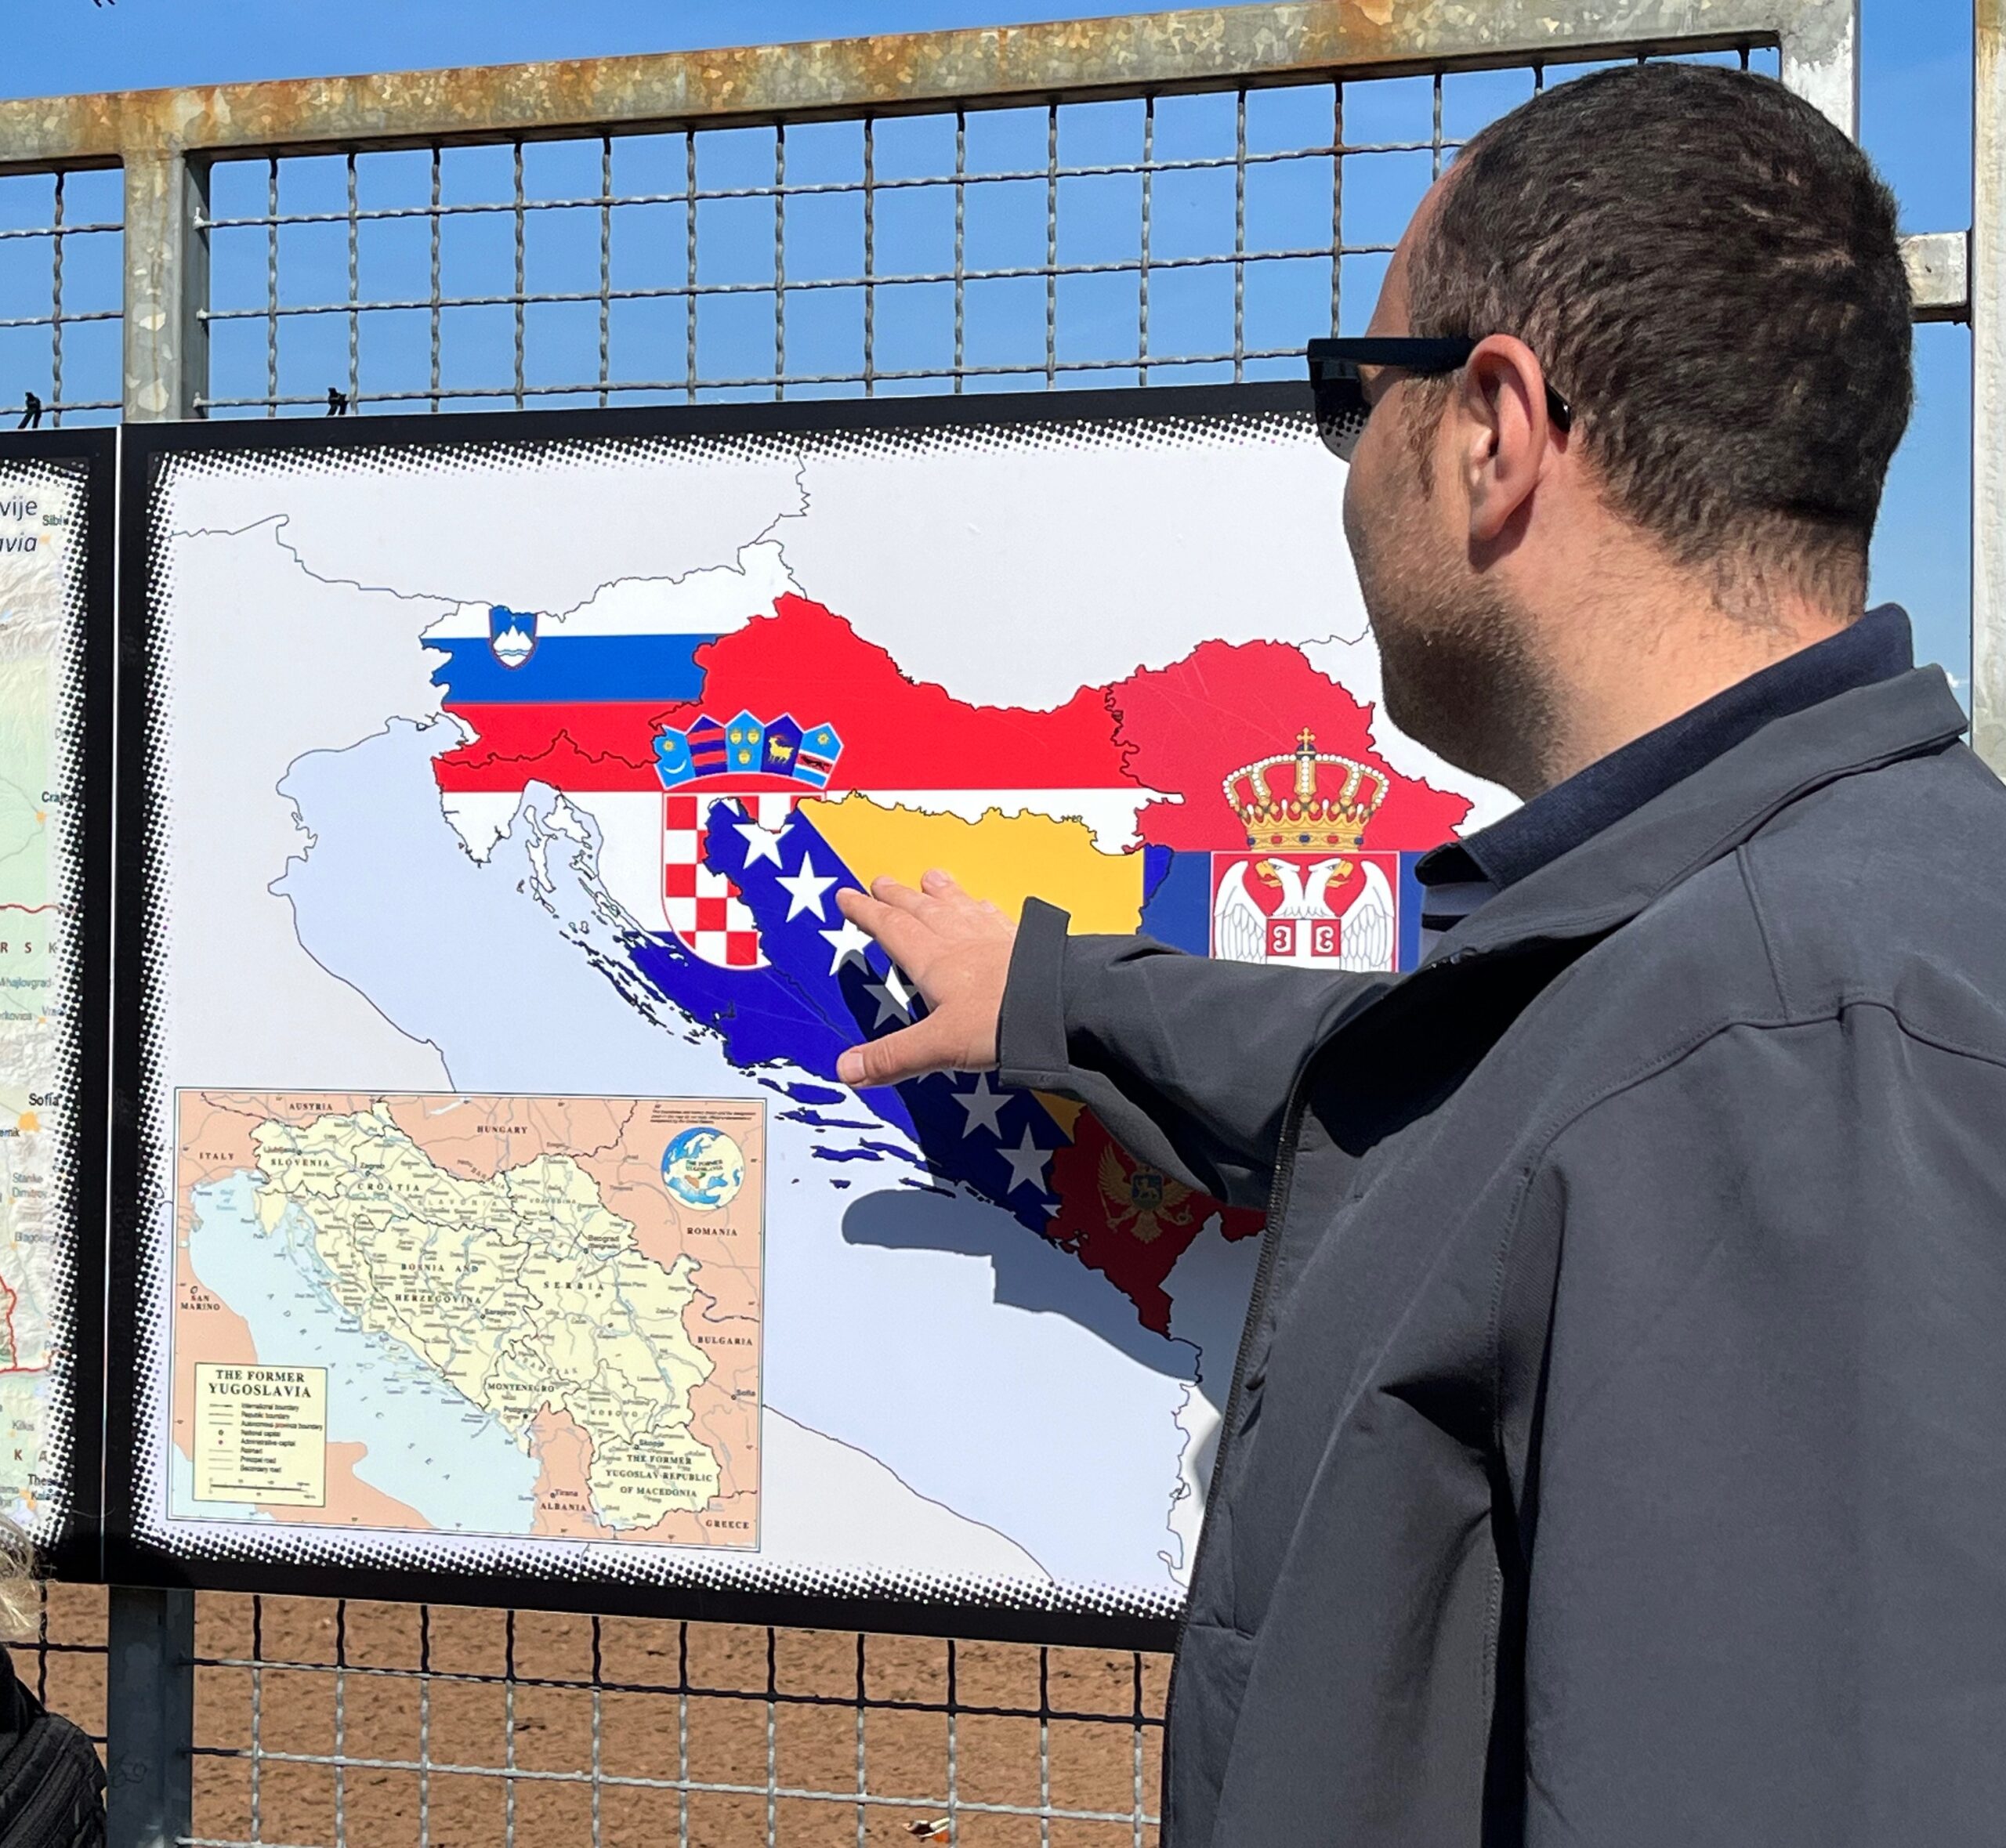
{"x": 260, "y": 1435}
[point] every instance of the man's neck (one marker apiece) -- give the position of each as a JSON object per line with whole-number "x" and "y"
{"x": 1627, "y": 657}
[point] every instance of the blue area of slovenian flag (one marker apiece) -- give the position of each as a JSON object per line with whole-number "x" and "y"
{"x": 573, "y": 670}
{"x": 827, "y": 989}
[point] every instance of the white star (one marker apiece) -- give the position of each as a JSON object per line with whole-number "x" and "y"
{"x": 848, "y": 944}
{"x": 1026, "y": 1163}
{"x": 761, "y": 843}
{"x": 983, "y": 1106}
{"x": 804, "y": 891}
{"x": 894, "y": 999}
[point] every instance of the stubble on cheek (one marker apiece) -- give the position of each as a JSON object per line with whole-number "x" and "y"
{"x": 1456, "y": 669}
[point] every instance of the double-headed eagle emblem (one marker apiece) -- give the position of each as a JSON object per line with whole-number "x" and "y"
{"x": 1274, "y": 906}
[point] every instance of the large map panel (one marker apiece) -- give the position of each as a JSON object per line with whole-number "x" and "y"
{"x": 522, "y": 763}
{"x": 54, "y": 660}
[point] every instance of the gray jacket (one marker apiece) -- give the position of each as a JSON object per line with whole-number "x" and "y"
{"x": 1617, "y": 1451}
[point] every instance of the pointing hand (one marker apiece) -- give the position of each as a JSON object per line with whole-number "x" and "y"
{"x": 956, "y": 949}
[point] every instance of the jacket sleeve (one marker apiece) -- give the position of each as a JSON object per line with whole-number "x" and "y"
{"x": 1189, "y": 1062}
{"x": 1763, "y": 1509}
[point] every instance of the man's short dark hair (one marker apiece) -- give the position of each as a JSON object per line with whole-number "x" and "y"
{"x": 1711, "y": 273}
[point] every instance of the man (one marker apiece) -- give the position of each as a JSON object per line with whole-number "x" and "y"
{"x": 1617, "y": 1452}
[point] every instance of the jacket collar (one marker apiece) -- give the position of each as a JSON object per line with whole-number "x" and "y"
{"x": 1611, "y": 876}
{"x": 1877, "y": 647}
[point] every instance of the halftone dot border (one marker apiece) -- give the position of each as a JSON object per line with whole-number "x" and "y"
{"x": 1165, "y": 430}
{"x": 58, "y": 1506}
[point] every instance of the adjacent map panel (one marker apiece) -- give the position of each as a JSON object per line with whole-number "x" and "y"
{"x": 504, "y": 776}
{"x": 52, "y": 506}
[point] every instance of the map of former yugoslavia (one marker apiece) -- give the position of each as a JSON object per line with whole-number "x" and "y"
{"x": 568, "y": 752}
{"x": 583, "y": 1273}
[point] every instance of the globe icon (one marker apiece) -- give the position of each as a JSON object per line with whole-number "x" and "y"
{"x": 703, "y": 1167}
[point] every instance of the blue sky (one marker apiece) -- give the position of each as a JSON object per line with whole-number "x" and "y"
{"x": 1916, "y": 108}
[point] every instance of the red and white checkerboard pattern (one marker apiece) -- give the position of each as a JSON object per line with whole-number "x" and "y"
{"x": 703, "y": 908}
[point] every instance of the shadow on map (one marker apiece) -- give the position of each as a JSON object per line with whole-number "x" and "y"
{"x": 1028, "y": 1273}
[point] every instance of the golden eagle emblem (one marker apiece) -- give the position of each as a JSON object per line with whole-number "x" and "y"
{"x": 1142, "y": 1201}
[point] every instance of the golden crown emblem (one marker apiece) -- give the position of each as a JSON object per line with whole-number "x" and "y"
{"x": 1303, "y": 819}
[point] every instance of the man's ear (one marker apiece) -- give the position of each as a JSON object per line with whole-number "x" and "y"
{"x": 1504, "y": 431}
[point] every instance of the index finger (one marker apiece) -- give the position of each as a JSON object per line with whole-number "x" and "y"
{"x": 903, "y": 935}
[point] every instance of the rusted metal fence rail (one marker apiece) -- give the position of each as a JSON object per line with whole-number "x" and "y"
{"x": 172, "y": 146}
{"x": 1181, "y": 195}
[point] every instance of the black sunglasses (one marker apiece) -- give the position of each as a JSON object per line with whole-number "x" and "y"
{"x": 1342, "y": 408}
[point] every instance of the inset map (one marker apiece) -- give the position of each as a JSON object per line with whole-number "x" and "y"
{"x": 533, "y": 1316}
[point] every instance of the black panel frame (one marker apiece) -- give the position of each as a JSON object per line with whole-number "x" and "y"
{"x": 129, "y": 1558}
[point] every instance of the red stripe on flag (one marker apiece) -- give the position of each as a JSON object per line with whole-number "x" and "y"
{"x": 897, "y": 733}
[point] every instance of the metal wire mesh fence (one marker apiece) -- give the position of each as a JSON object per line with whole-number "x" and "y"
{"x": 323, "y": 1721}
{"x": 1180, "y": 238}
{"x": 347, "y": 1722}
{"x": 61, "y": 284}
